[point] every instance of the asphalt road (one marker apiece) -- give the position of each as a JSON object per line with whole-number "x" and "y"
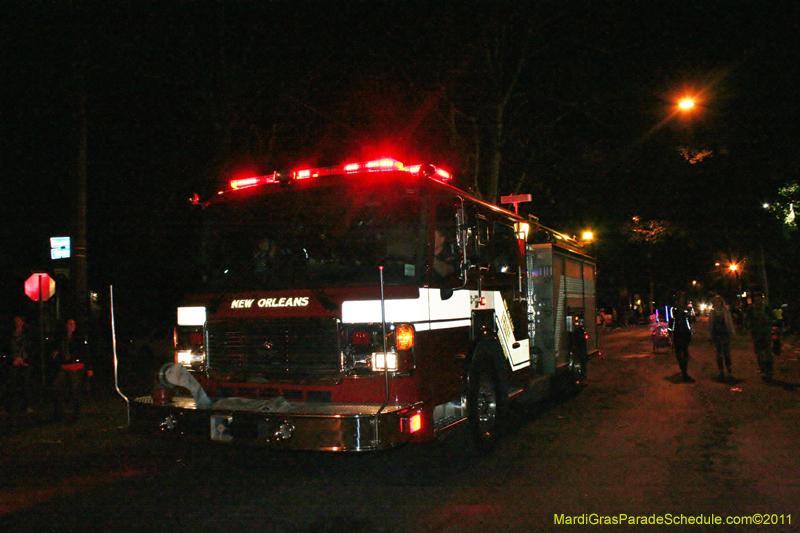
{"x": 636, "y": 442}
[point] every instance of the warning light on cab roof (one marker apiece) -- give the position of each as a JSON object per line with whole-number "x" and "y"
{"x": 252, "y": 182}
{"x": 377, "y": 165}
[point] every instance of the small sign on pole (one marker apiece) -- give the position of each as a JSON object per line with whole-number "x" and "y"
{"x": 516, "y": 200}
{"x": 40, "y": 287}
{"x": 59, "y": 248}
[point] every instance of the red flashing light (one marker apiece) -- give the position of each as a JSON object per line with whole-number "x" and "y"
{"x": 252, "y": 182}
{"x": 377, "y": 165}
{"x": 384, "y": 164}
{"x": 243, "y": 183}
{"x": 416, "y": 422}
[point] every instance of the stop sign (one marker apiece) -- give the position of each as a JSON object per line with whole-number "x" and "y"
{"x": 39, "y": 281}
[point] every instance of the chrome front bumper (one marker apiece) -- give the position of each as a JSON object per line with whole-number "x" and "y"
{"x": 278, "y": 424}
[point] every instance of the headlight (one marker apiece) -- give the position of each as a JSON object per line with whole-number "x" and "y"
{"x": 188, "y": 358}
{"x": 190, "y": 346}
{"x": 365, "y": 352}
{"x": 381, "y": 360}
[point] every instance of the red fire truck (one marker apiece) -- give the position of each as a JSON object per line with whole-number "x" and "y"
{"x": 364, "y": 306}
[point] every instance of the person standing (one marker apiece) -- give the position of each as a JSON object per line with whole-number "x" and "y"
{"x": 680, "y": 326}
{"x": 760, "y": 323}
{"x": 777, "y": 317}
{"x": 720, "y": 325}
{"x": 19, "y": 380}
{"x": 72, "y": 367}
{"x": 5, "y": 376}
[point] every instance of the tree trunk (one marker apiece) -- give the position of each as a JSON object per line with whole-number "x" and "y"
{"x": 496, "y": 156}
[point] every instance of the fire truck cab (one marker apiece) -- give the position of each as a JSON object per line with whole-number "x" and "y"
{"x": 364, "y": 306}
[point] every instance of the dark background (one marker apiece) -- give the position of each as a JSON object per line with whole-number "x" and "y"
{"x": 180, "y": 96}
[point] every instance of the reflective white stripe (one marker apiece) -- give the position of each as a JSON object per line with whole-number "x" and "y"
{"x": 429, "y": 309}
{"x": 361, "y": 311}
{"x": 518, "y": 357}
{"x": 429, "y": 312}
{"x": 457, "y": 307}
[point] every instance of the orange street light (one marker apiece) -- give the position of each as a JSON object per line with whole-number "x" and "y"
{"x": 735, "y": 267}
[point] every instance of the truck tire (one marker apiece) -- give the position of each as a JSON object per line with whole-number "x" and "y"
{"x": 487, "y": 403}
{"x": 577, "y": 367}
{"x": 578, "y": 360}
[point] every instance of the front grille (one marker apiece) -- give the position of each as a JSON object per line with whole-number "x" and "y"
{"x": 285, "y": 349}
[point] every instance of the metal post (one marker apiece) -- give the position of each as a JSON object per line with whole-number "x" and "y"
{"x": 114, "y": 350}
{"x": 385, "y": 355}
{"x": 385, "y": 361}
{"x": 41, "y": 335}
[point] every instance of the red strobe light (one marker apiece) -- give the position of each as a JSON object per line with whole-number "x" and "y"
{"x": 377, "y": 165}
{"x": 415, "y": 422}
{"x": 244, "y": 183}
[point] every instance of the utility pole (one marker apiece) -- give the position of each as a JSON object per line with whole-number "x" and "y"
{"x": 78, "y": 266}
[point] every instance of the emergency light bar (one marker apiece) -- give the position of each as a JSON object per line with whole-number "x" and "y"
{"x": 377, "y": 165}
{"x": 252, "y": 182}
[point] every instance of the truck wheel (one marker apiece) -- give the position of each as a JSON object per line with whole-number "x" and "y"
{"x": 486, "y": 405}
{"x": 577, "y": 368}
{"x": 578, "y": 359}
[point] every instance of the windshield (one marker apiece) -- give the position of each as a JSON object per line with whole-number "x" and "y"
{"x": 331, "y": 236}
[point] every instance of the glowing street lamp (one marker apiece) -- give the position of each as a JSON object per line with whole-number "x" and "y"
{"x": 735, "y": 270}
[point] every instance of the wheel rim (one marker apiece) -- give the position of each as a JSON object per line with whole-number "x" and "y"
{"x": 486, "y": 404}
{"x": 577, "y": 369}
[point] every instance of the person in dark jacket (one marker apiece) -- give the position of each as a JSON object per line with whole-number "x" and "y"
{"x": 19, "y": 373}
{"x": 680, "y": 325}
{"x": 70, "y": 358}
{"x": 721, "y": 329}
{"x": 760, "y": 323}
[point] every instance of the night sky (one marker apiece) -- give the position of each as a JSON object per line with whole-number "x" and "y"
{"x": 181, "y": 95}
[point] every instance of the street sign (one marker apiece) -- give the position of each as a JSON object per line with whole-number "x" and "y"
{"x": 59, "y": 247}
{"x": 40, "y": 286}
{"x": 516, "y": 200}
